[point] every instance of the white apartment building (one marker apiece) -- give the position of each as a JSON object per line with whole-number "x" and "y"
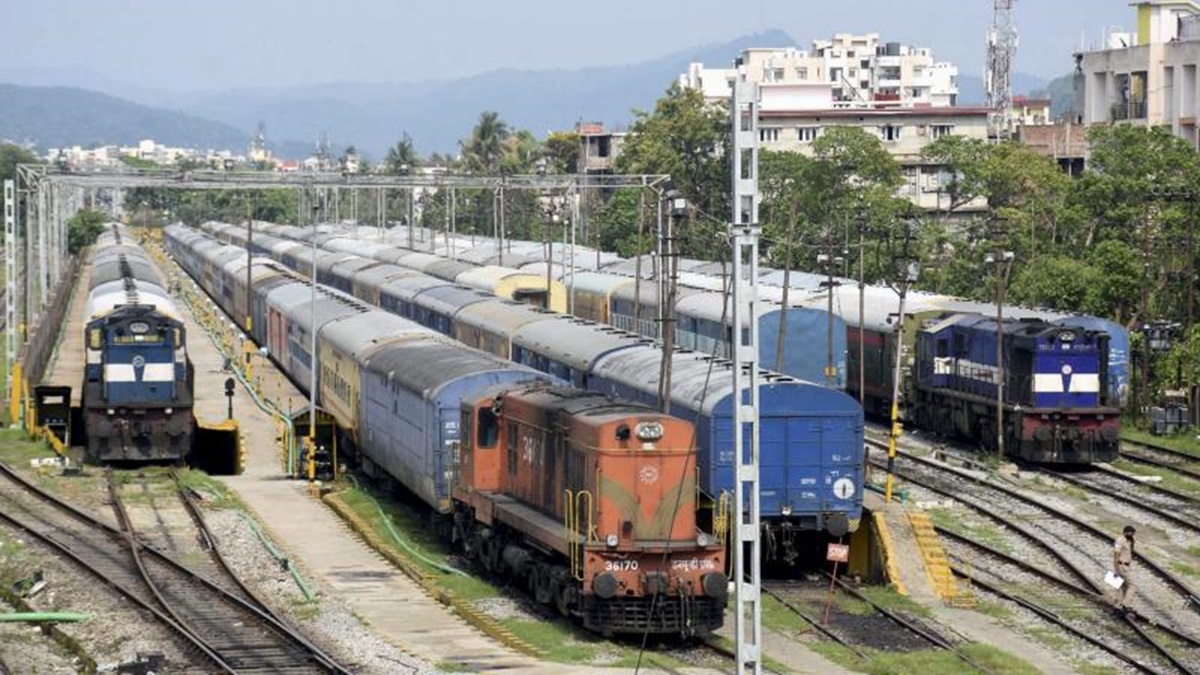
{"x": 849, "y": 71}
{"x": 1148, "y": 77}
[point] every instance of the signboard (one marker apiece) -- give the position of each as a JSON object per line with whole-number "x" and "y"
{"x": 838, "y": 553}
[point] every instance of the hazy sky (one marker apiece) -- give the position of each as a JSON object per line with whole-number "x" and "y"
{"x": 180, "y": 45}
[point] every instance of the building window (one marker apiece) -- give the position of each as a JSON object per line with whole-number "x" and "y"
{"x": 865, "y": 64}
{"x": 890, "y": 132}
{"x": 835, "y": 74}
{"x": 852, "y": 72}
{"x": 939, "y": 130}
{"x": 768, "y": 134}
{"x": 802, "y": 73}
{"x": 775, "y": 75}
{"x": 808, "y": 134}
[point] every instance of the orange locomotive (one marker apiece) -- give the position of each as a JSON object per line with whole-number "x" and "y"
{"x": 591, "y": 503}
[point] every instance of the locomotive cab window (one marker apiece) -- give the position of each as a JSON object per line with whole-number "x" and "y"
{"x": 489, "y": 428}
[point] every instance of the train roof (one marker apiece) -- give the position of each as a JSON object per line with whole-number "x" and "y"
{"x": 407, "y": 287}
{"x": 380, "y": 274}
{"x": 106, "y": 297}
{"x": 429, "y": 365}
{"x": 448, "y": 299}
{"x": 599, "y": 282}
{"x": 703, "y": 384}
{"x": 355, "y": 334}
{"x": 502, "y": 316}
{"x": 575, "y": 342}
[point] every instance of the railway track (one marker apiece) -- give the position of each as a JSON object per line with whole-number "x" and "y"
{"x": 1063, "y": 543}
{"x": 1056, "y": 602}
{"x": 221, "y": 629}
{"x": 913, "y": 632}
{"x": 1176, "y": 508}
{"x": 1161, "y": 457}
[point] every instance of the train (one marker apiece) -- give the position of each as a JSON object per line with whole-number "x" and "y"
{"x": 1038, "y": 427}
{"x": 138, "y": 381}
{"x": 812, "y": 437}
{"x": 586, "y": 500}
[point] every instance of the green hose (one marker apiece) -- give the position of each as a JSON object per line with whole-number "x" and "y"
{"x": 387, "y": 522}
{"x": 41, "y": 617}
{"x": 278, "y": 556}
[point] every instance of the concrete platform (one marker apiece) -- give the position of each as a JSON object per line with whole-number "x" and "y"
{"x": 66, "y": 365}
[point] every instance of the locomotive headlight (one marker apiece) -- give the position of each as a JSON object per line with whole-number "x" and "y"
{"x": 169, "y": 411}
{"x": 111, "y": 411}
{"x": 703, "y": 540}
{"x": 649, "y": 431}
{"x": 612, "y": 540}
{"x": 786, "y": 510}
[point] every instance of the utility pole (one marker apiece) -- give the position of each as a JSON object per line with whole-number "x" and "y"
{"x": 744, "y": 233}
{"x": 1002, "y": 259}
{"x": 908, "y": 271}
{"x": 828, "y": 263}
{"x": 677, "y": 207}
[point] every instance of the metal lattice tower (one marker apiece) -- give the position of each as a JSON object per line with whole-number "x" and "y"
{"x": 1002, "y": 52}
{"x": 746, "y": 546}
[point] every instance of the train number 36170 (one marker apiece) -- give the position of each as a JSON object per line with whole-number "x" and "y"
{"x": 620, "y": 565}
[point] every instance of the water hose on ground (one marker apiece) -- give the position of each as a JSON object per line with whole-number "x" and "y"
{"x": 387, "y": 522}
{"x": 279, "y": 556}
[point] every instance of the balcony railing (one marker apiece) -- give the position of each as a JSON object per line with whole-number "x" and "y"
{"x": 1132, "y": 110}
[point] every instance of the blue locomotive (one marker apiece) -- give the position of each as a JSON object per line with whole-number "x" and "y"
{"x": 137, "y": 387}
{"x": 1055, "y": 394}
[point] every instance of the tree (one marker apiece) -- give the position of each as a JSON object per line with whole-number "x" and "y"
{"x": 10, "y": 156}
{"x": 402, "y": 157}
{"x": 484, "y": 149}
{"x": 562, "y": 151}
{"x": 963, "y": 159}
{"x": 689, "y": 139}
{"x": 83, "y": 228}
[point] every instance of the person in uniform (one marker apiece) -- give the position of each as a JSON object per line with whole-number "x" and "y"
{"x": 1123, "y": 563}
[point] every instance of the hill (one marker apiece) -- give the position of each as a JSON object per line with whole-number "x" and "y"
{"x": 439, "y": 113}
{"x": 58, "y": 116}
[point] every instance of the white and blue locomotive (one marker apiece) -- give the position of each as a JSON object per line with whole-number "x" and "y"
{"x": 137, "y": 385}
{"x": 1056, "y": 402}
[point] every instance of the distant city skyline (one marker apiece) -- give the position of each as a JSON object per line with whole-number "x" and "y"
{"x": 265, "y": 43}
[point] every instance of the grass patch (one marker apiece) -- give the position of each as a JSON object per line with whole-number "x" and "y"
{"x": 1185, "y": 569}
{"x": 996, "y": 610}
{"x": 215, "y": 493}
{"x": 1168, "y": 478}
{"x": 780, "y": 619}
{"x": 1050, "y": 637}
{"x": 926, "y": 661}
{"x": 1095, "y": 669}
{"x": 984, "y": 533}
{"x": 888, "y": 598}
{"x": 304, "y": 610}
{"x": 17, "y": 449}
{"x": 1074, "y": 492}
{"x": 1194, "y": 551}
{"x": 1184, "y": 442}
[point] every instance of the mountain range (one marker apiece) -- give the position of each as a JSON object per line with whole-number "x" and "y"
{"x": 371, "y": 116}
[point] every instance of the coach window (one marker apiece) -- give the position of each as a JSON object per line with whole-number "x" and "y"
{"x": 489, "y": 428}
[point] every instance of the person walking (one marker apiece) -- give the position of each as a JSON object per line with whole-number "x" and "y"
{"x": 1123, "y": 563}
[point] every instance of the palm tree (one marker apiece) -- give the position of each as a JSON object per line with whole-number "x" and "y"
{"x": 402, "y": 157}
{"x": 484, "y": 149}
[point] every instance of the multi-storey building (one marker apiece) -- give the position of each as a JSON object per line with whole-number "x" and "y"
{"x": 1148, "y": 77}
{"x": 849, "y": 71}
{"x": 897, "y": 93}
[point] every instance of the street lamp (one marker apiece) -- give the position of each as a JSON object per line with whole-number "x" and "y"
{"x": 677, "y": 207}
{"x": 1000, "y": 259}
{"x": 908, "y": 271}
{"x": 828, "y": 263}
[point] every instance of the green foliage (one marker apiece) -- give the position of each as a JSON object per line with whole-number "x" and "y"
{"x": 138, "y": 163}
{"x": 401, "y": 158}
{"x": 10, "y": 156}
{"x": 562, "y": 151}
{"x": 484, "y": 149}
{"x": 689, "y": 139}
{"x": 192, "y": 207}
{"x": 83, "y": 228}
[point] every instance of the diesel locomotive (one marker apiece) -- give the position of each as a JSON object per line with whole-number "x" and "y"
{"x": 137, "y": 387}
